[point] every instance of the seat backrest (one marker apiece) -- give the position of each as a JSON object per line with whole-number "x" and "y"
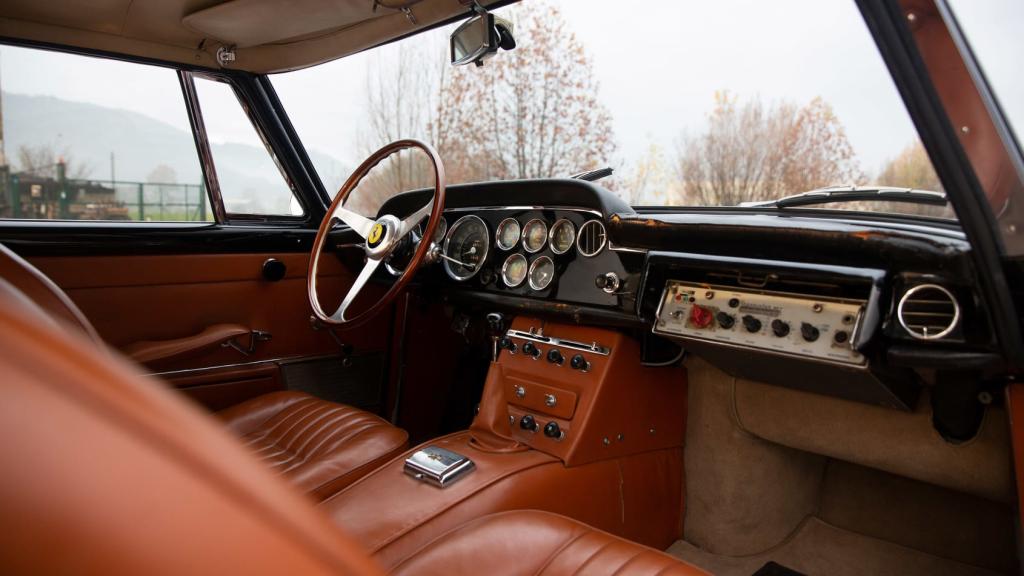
{"x": 37, "y": 287}
{"x": 106, "y": 473}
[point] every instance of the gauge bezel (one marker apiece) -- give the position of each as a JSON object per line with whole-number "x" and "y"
{"x": 533, "y": 268}
{"x": 604, "y": 240}
{"x": 542, "y": 242}
{"x": 497, "y": 234}
{"x": 448, "y": 238}
{"x": 551, "y": 235}
{"x": 504, "y": 269}
{"x": 442, "y": 226}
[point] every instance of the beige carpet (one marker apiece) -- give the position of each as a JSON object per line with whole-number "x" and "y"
{"x": 820, "y": 549}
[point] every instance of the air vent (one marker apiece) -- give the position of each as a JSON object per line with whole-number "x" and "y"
{"x": 928, "y": 312}
{"x": 592, "y": 238}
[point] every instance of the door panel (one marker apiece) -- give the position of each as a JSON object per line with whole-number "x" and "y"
{"x": 132, "y": 299}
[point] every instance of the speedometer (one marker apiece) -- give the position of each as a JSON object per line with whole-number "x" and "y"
{"x": 465, "y": 249}
{"x": 542, "y": 272}
{"x": 513, "y": 271}
{"x": 563, "y": 234}
{"x": 507, "y": 235}
{"x": 535, "y": 233}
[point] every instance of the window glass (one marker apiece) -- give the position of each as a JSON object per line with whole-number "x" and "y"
{"x": 250, "y": 179}
{"x": 85, "y": 138}
{"x": 725, "y": 102}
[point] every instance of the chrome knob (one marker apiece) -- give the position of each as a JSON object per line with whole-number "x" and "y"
{"x": 550, "y": 400}
{"x": 520, "y": 392}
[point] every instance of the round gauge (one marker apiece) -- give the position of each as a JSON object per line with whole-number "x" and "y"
{"x": 442, "y": 229}
{"x": 535, "y": 233}
{"x": 513, "y": 271}
{"x": 562, "y": 235}
{"x": 465, "y": 249}
{"x": 507, "y": 235}
{"x": 542, "y": 272}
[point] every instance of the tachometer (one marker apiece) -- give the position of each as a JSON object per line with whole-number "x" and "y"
{"x": 542, "y": 272}
{"x": 563, "y": 234}
{"x": 507, "y": 235}
{"x": 535, "y": 234}
{"x": 513, "y": 271}
{"x": 465, "y": 249}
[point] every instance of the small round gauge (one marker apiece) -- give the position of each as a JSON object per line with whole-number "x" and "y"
{"x": 442, "y": 229}
{"x": 542, "y": 272}
{"x": 513, "y": 271}
{"x": 562, "y": 235}
{"x": 465, "y": 249}
{"x": 507, "y": 235}
{"x": 535, "y": 234}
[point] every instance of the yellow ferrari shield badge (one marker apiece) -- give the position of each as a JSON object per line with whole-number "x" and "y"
{"x": 376, "y": 233}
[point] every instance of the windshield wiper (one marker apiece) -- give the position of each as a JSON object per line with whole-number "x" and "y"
{"x": 593, "y": 175}
{"x": 833, "y": 194}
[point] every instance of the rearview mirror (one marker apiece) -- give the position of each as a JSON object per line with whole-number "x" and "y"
{"x": 479, "y": 38}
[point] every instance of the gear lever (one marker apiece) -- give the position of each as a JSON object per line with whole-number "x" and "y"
{"x": 497, "y": 324}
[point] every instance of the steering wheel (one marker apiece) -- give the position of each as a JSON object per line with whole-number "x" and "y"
{"x": 382, "y": 236}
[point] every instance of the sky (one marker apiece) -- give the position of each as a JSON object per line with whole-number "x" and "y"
{"x": 658, "y": 70}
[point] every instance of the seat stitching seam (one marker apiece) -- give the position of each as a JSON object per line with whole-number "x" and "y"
{"x": 558, "y": 551}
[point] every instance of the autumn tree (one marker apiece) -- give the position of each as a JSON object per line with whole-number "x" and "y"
{"x": 534, "y": 112}
{"x": 911, "y": 168}
{"x": 752, "y": 151}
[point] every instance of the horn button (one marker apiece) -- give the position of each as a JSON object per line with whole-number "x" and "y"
{"x": 383, "y": 237}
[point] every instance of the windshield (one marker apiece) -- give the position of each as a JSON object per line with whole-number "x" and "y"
{"x": 713, "y": 104}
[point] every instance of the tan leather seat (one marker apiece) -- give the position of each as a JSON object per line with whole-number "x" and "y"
{"x": 321, "y": 446}
{"x": 540, "y": 544}
{"x": 107, "y": 473}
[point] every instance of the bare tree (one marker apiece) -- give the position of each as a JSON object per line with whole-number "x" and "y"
{"x": 41, "y": 161}
{"x": 911, "y": 168}
{"x": 756, "y": 152}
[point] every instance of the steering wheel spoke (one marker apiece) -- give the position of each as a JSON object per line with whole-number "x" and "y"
{"x": 361, "y": 224}
{"x": 413, "y": 220}
{"x": 364, "y": 276}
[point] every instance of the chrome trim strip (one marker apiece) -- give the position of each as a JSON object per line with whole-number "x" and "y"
{"x": 566, "y": 208}
{"x": 593, "y": 347}
{"x": 281, "y": 360}
{"x": 615, "y": 248}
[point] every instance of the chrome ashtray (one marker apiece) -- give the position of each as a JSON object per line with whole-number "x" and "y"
{"x": 437, "y": 466}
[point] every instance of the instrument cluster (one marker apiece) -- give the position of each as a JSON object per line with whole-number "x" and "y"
{"x": 525, "y": 252}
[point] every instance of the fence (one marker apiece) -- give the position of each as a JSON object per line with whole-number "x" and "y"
{"x": 49, "y": 195}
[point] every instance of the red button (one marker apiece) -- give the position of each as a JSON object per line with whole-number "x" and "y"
{"x": 700, "y": 316}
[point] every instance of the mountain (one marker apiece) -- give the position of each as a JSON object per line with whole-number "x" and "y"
{"x": 87, "y": 134}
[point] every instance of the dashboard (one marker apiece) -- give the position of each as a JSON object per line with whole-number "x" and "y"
{"x": 848, "y": 306}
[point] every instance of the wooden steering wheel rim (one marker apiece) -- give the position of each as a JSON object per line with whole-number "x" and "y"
{"x": 437, "y": 207}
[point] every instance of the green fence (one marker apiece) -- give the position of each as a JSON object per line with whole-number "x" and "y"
{"x": 49, "y": 195}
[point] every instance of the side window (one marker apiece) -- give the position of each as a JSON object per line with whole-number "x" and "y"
{"x": 251, "y": 180}
{"x": 85, "y": 138}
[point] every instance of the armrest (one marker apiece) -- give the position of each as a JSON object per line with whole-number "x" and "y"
{"x": 152, "y": 351}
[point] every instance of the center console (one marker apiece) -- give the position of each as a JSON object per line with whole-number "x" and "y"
{"x": 569, "y": 422}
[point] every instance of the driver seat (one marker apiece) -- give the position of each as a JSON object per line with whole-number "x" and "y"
{"x": 320, "y": 446}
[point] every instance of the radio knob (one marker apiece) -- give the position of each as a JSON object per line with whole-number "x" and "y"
{"x": 780, "y": 328}
{"x": 506, "y": 343}
{"x": 530, "y": 349}
{"x": 555, "y": 357}
{"x": 578, "y": 362}
{"x": 552, "y": 430}
{"x": 528, "y": 423}
{"x": 751, "y": 324}
{"x": 809, "y": 332}
{"x": 726, "y": 320}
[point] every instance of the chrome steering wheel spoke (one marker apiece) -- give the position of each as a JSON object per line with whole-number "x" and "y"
{"x": 360, "y": 224}
{"x": 357, "y": 286}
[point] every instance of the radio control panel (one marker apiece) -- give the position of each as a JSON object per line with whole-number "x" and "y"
{"x": 821, "y": 329}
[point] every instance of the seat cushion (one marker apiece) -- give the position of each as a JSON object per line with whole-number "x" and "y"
{"x": 538, "y": 543}
{"x": 320, "y": 446}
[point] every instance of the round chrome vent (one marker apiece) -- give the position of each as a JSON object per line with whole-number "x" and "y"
{"x": 928, "y": 312}
{"x": 591, "y": 238}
